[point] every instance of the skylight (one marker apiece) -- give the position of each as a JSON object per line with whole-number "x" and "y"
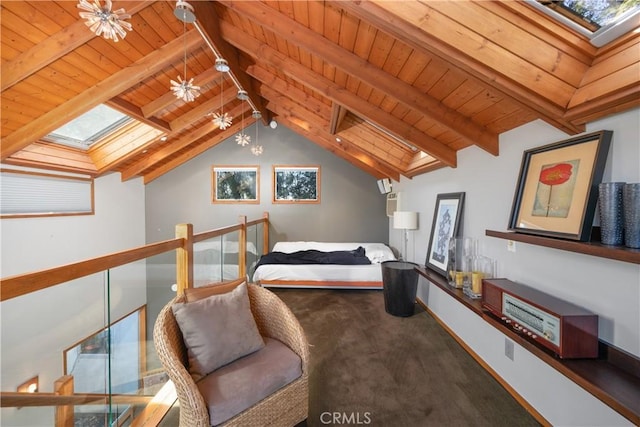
{"x": 600, "y": 20}
{"x": 89, "y": 128}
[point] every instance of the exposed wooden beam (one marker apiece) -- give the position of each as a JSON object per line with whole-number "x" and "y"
{"x": 402, "y": 21}
{"x": 338, "y": 94}
{"x": 169, "y": 98}
{"x": 272, "y": 81}
{"x": 337, "y": 114}
{"x": 172, "y": 146}
{"x": 201, "y": 111}
{"x": 361, "y": 69}
{"x": 53, "y": 48}
{"x": 134, "y": 111}
{"x": 101, "y": 92}
{"x": 208, "y": 22}
{"x": 199, "y": 149}
{"x": 349, "y": 153}
{"x": 357, "y": 154}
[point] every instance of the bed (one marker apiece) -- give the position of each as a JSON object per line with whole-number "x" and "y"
{"x": 360, "y": 276}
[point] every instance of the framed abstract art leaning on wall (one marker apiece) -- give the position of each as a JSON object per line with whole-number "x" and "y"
{"x": 446, "y": 224}
{"x": 557, "y": 188}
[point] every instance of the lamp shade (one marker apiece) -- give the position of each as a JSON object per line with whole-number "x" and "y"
{"x": 405, "y": 220}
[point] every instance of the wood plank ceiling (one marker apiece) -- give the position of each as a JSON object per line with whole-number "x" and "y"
{"x": 397, "y": 88}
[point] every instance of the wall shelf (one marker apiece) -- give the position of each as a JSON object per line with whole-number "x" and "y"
{"x": 614, "y": 377}
{"x": 594, "y": 248}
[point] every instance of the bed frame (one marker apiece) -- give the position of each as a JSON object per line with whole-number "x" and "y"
{"x": 319, "y": 284}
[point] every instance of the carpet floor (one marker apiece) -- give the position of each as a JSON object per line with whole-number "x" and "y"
{"x": 371, "y": 368}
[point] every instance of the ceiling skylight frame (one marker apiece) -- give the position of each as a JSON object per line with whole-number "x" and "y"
{"x": 92, "y": 139}
{"x": 623, "y": 24}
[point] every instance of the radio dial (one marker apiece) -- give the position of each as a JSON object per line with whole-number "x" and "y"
{"x": 548, "y": 335}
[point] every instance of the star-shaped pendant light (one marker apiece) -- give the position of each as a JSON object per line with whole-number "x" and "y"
{"x": 242, "y": 138}
{"x": 185, "y": 89}
{"x": 222, "y": 119}
{"x": 103, "y": 21}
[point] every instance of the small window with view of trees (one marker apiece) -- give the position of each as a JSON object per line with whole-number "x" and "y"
{"x": 236, "y": 184}
{"x": 296, "y": 184}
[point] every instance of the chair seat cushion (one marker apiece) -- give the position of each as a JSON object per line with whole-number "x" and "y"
{"x": 241, "y": 384}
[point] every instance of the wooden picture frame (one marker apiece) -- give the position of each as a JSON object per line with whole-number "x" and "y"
{"x": 235, "y": 184}
{"x": 296, "y": 184}
{"x": 447, "y": 218}
{"x": 557, "y": 187}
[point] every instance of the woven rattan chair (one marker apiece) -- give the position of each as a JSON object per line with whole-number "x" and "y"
{"x": 288, "y": 406}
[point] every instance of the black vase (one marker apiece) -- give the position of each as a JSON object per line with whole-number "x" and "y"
{"x": 610, "y": 202}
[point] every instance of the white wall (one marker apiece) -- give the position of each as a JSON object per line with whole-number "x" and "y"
{"x": 37, "y": 329}
{"x": 609, "y": 288}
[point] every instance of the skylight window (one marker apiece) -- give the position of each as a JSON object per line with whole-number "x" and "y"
{"x": 600, "y": 20}
{"x": 89, "y": 128}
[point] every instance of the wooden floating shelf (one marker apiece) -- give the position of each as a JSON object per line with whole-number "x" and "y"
{"x": 594, "y": 248}
{"x": 614, "y": 377}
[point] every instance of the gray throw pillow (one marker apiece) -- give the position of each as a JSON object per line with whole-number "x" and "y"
{"x": 217, "y": 330}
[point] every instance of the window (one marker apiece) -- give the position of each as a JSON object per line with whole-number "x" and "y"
{"x": 235, "y": 184}
{"x": 600, "y": 20}
{"x": 88, "y": 128}
{"x": 296, "y": 184}
{"x": 27, "y": 194}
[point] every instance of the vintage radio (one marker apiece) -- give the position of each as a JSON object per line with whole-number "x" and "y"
{"x": 566, "y": 329}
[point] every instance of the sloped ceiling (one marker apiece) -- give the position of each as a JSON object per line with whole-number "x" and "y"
{"x": 397, "y": 88}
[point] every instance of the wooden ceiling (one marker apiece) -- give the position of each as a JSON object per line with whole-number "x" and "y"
{"x": 394, "y": 87}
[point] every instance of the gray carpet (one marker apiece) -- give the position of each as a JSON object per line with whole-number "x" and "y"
{"x": 371, "y": 368}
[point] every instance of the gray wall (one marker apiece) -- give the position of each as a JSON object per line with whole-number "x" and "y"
{"x": 609, "y": 288}
{"x": 351, "y": 207}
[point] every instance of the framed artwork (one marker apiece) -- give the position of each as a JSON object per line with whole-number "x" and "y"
{"x": 446, "y": 224}
{"x": 235, "y": 184}
{"x": 296, "y": 184}
{"x": 557, "y": 187}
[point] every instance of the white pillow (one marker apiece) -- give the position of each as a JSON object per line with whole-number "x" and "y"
{"x": 378, "y": 252}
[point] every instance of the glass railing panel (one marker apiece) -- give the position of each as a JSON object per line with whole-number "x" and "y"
{"x": 255, "y": 238}
{"x": 207, "y": 261}
{"x": 36, "y": 329}
{"x": 230, "y": 258}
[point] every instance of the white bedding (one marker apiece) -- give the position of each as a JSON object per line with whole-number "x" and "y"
{"x": 342, "y": 274}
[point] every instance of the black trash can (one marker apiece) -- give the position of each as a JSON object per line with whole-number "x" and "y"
{"x": 400, "y": 284}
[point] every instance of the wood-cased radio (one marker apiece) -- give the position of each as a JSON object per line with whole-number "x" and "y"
{"x": 569, "y": 331}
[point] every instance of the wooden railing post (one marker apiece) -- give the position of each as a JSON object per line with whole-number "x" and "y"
{"x": 242, "y": 246}
{"x": 184, "y": 258}
{"x": 265, "y": 233}
{"x": 63, "y": 386}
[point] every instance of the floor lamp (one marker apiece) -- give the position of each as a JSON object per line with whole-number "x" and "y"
{"x": 405, "y": 221}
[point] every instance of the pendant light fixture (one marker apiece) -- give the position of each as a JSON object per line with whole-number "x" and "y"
{"x": 222, "y": 120}
{"x": 103, "y": 21}
{"x": 256, "y": 149}
{"x": 184, "y": 89}
{"x": 242, "y": 138}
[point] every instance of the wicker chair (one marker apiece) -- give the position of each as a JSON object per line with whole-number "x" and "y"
{"x": 286, "y": 407}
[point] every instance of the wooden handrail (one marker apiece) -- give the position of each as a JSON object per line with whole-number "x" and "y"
{"x": 15, "y": 286}
{"x": 206, "y": 235}
{"x": 14, "y": 399}
{"x": 18, "y": 285}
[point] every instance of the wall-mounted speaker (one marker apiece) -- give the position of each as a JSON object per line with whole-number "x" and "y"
{"x": 384, "y": 185}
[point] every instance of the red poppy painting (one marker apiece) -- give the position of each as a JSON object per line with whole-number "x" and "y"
{"x": 555, "y": 189}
